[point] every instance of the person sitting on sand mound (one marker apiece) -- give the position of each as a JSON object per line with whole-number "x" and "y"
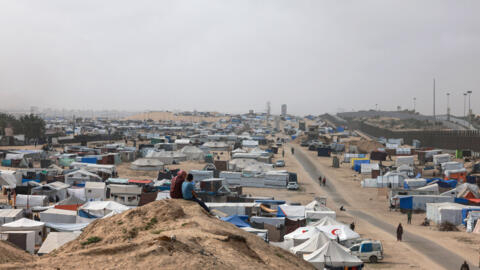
{"x": 189, "y": 194}
{"x": 176, "y": 185}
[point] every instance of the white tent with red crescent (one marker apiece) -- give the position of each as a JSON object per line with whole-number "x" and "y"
{"x": 301, "y": 235}
{"x": 342, "y": 231}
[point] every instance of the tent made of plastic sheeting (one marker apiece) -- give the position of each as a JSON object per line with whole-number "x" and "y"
{"x": 193, "y": 153}
{"x": 80, "y": 176}
{"x": 55, "y": 240}
{"x": 167, "y": 157}
{"x": 311, "y": 245}
{"x": 29, "y": 201}
{"x": 70, "y": 203}
{"x": 441, "y": 158}
{"x": 433, "y": 187}
{"x": 274, "y": 221}
{"x": 67, "y": 227}
{"x": 343, "y": 232}
{"x": 239, "y": 150}
{"x": 318, "y": 215}
{"x": 332, "y": 255}
{"x": 445, "y": 212}
{"x": 302, "y": 234}
{"x": 419, "y": 202}
{"x": 54, "y": 215}
{"x": 367, "y": 168}
{"x": 293, "y": 212}
{"x": 10, "y": 215}
{"x": 262, "y": 233}
{"x": 25, "y": 224}
{"x": 10, "y": 178}
{"x": 452, "y": 165}
{"x": 102, "y": 208}
{"x": 147, "y": 164}
{"x": 77, "y": 192}
{"x": 472, "y": 218}
{"x": 239, "y": 221}
{"x": 408, "y": 160}
{"x": 414, "y": 183}
{"x": 326, "y": 221}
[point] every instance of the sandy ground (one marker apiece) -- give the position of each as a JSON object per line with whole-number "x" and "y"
{"x": 374, "y": 202}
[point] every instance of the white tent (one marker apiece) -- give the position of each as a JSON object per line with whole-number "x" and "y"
{"x": 9, "y": 215}
{"x": 301, "y": 235}
{"x": 25, "y": 224}
{"x": 103, "y": 208}
{"x": 54, "y": 215}
{"x": 332, "y": 254}
{"x": 326, "y": 221}
{"x": 193, "y": 153}
{"x": 293, "y": 212}
{"x": 341, "y": 231}
{"x": 29, "y": 201}
{"x": 9, "y": 178}
{"x": 147, "y": 164}
{"x": 311, "y": 245}
{"x": 56, "y": 240}
{"x": 80, "y": 176}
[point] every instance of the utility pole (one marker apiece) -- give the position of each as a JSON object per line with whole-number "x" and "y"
{"x": 464, "y": 106}
{"x": 434, "y": 116}
{"x": 414, "y": 103}
{"x": 448, "y": 106}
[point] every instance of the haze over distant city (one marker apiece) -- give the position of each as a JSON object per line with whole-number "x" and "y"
{"x": 231, "y": 56}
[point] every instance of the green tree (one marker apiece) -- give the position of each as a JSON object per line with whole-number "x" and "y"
{"x": 32, "y": 126}
{"x": 8, "y": 120}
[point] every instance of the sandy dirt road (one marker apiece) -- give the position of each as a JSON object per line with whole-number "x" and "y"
{"x": 445, "y": 258}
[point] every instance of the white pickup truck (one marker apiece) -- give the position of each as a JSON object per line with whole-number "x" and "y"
{"x": 368, "y": 251}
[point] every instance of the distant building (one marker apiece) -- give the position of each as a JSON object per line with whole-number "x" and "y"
{"x": 284, "y": 110}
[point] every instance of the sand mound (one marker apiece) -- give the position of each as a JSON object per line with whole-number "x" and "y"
{"x": 13, "y": 257}
{"x": 365, "y": 146}
{"x": 170, "y": 234}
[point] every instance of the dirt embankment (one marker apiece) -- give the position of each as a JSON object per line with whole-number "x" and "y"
{"x": 170, "y": 234}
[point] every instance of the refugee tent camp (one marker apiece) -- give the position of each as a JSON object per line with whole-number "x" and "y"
{"x": 55, "y": 240}
{"x": 326, "y": 221}
{"x": 25, "y": 224}
{"x": 95, "y": 191}
{"x": 332, "y": 255}
{"x": 311, "y": 245}
{"x": 70, "y": 203}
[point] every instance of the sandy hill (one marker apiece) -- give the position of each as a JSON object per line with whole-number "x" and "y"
{"x": 170, "y": 116}
{"x": 169, "y": 234}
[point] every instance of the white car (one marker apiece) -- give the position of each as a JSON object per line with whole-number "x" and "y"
{"x": 368, "y": 251}
{"x": 292, "y": 186}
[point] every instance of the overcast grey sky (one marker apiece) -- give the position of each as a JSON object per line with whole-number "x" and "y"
{"x": 316, "y": 56}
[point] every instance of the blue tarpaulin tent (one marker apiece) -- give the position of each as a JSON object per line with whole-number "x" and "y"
{"x": 239, "y": 221}
{"x": 357, "y": 164}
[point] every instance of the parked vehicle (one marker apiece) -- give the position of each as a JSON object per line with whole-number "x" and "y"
{"x": 292, "y": 186}
{"x": 280, "y": 163}
{"x": 368, "y": 251}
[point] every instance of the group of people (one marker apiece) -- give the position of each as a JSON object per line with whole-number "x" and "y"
{"x": 322, "y": 180}
{"x": 182, "y": 187}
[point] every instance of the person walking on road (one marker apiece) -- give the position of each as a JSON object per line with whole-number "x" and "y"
{"x": 283, "y": 153}
{"x": 352, "y": 226}
{"x": 465, "y": 266}
{"x": 293, "y": 151}
{"x": 399, "y": 232}
{"x": 409, "y": 217}
{"x": 324, "y": 181}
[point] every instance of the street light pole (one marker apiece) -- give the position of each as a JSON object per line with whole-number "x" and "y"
{"x": 464, "y": 105}
{"x": 469, "y": 110}
{"x": 414, "y": 103}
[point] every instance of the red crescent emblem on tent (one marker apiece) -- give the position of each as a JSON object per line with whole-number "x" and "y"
{"x": 334, "y": 231}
